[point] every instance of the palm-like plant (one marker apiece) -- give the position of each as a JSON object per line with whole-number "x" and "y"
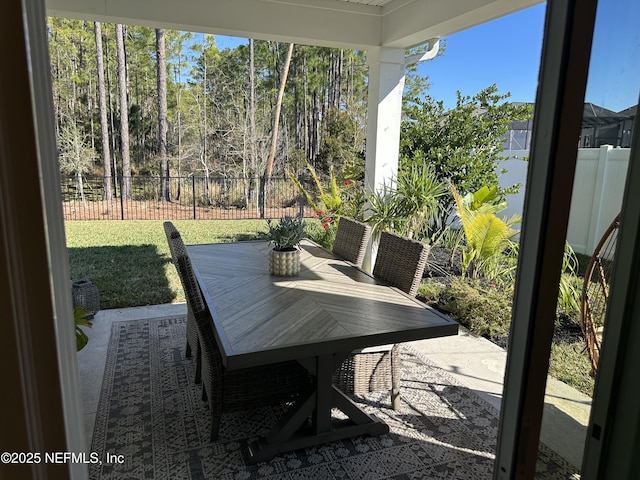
{"x": 410, "y": 205}
{"x": 486, "y": 236}
{"x": 383, "y": 210}
{"x": 419, "y": 193}
{"x": 329, "y": 201}
{"x": 80, "y": 319}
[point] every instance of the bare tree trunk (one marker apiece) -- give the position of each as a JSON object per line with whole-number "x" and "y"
{"x": 114, "y": 162}
{"x": 90, "y": 112}
{"x": 124, "y": 114}
{"x": 337, "y": 67}
{"x": 202, "y": 113}
{"x": 162, "y": 115}
{"x": 203, "y": 155}
{"x": 179, "y": 123}
{"x": 305, "y": 126}
{"x": 104, "y": 125}
{"x": 314, "y": 127}
{"x": 298, "y": 109}
{"x": 331, "y": 75}
{"x": 253, "y": 149}
{"x": 297, "y": 115}
{"x": 276, "y": 114}
{"x": 253, "y": 153}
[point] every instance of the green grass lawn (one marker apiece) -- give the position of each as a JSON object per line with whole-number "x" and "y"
{"x": 570, "y": 364}
{"x": 129, "y": 261}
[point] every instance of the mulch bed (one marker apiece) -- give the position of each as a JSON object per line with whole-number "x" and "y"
{"x": 444, "y": 267}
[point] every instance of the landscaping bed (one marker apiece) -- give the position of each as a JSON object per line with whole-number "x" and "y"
{"x": 484, "y": 308}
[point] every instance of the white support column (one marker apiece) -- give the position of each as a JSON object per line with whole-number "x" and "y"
{"x": 386, "y": 82}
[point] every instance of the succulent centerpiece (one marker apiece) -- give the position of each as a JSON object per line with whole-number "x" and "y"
{"x": 284, "y": 258}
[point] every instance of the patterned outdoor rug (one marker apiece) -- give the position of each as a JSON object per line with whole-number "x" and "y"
{"x": 151, "y": 414}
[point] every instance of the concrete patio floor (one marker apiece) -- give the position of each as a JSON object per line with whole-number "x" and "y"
{"x": 473, "y": 361}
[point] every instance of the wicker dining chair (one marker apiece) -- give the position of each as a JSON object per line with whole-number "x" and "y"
{"x": 243, "y": 389}
{"x": 400, "y": 262}
{"x": 193, "y": 343}
{"x": 351, "y": 240}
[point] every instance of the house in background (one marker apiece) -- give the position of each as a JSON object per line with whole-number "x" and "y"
{"x": 41, "y": 395}
{"x": 604, "y": 127}
{"x": 520, "y": 133}
{"x": 600, "y": 126}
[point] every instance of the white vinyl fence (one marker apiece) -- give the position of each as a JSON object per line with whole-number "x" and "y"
{"x": 597, "y": 191}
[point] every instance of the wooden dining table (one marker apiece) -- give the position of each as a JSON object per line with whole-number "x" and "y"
{"x": 317, "y": 318}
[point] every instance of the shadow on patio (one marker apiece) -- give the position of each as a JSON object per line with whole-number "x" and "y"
{"x": 451, "y": 392}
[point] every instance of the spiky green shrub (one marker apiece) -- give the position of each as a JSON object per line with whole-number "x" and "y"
{"x": 409, "y": 205}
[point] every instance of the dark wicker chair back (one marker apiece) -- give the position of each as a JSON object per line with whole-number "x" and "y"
{"x": 171, "y": 232}
{"x": 235, "y": 390}
{"x": 189, "y": 282}
{"x": 193, "y": 343}
{"x": 401, "y": 262}
{"x": 351, "y": 240}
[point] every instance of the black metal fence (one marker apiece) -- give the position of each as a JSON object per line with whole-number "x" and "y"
{"x": 188, "y": 198}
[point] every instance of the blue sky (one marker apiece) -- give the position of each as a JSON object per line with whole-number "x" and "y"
{"x": 614, "y": 76}
{"x": 506, "y": 51}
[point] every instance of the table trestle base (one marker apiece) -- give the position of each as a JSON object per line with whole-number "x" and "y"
{"x": 294, "y": 430}
{"x": 357, "y": 423}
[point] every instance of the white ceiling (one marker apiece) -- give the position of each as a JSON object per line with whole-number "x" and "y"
{"x": 375, "y": 3}
{"x": 357, "y": 24}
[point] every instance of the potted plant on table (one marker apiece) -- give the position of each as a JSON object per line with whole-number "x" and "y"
{"x": 284, "y": 258}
